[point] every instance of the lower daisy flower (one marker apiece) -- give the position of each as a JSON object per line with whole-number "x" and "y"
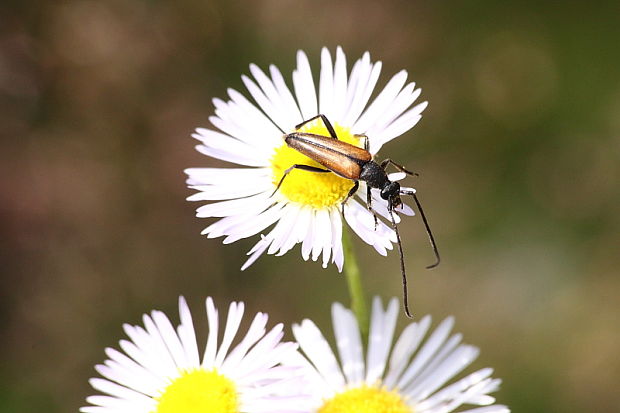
{"x": 307, "y": 207}
{"x": 161, "y": 370}
{"x": 409, "y": 376}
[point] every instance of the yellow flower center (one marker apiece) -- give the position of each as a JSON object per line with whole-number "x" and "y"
{"x": 319, "y": 190}
{"x": 366, "y": 399}
{"x": 199, "y": 391}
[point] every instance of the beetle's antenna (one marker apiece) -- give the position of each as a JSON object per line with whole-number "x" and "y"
{"x": 276, "y": 125}
{"x": 402, "y": 263}
{"x": 428, "y": 229}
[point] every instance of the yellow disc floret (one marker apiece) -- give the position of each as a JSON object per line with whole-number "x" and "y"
{"x": 319, "y": 190}
{"x": 366, "y": 399}
{"x": 199, "y": 391}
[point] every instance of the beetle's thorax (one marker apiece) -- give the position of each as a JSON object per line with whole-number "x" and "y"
{"x": 374, "y": 175}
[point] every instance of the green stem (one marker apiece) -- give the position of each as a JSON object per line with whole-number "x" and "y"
{"x": 354, "y": 282}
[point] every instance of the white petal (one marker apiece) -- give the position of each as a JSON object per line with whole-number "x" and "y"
{"x": 208, "y": 359}
{"x": 382, "y": 327}
{"x": 326, "y": 84}
{"x": 269, "y": 107}
{"x": 285, "y": 94}
{"x": 498, "y": 408}
{"x": 232, "y": 157}
{"x": 337, "y": 253}
{"x": 225, "y": 143}
{"x": 321, "y": 232}
{"x": 286, "y": 112}
{"x": 349, "y": 343}
{"x": 187, "y": 334}
{"x": 308, "y": 241}
{"x": 297, "y": 233}
{"x": 355, "y": 88}
{"x": 220, "y": 192}
{"x": 327, "y": 235}
{"x": 314, "y": 345}
{"x": 248, "y": 115}
{"x": 256, "y": 252}
{"x": 428, "y": 350}
{"x": 455, "y": 389}
{"x": 381, "y": 103}
{"x": 210, "y": 176}
{"x": 304, "y": 87}
{"x": 405, "y": 346}
{"x": 340, "y": 84}
{"x": 255, "y": 332}
{"x": 254, "y": 224}
{"x": 250, "y": 205}
{"x": 401, "y": 103}
{"x": 431, "y": 380}
{"x": 242, "y": 134}
{"x": 363, "y": 223}
{"x": 170, "y": 338}
{"x": 283, "y": 229}
{"x": 235, "y": 313}
{"x": 401, "y": 125}
{"x": 360, "y": 103}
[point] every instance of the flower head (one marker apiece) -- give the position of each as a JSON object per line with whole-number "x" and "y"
{"x": 306, "y": 207}
{"x": 408, "y": 376}
{"x": 161, "y": 370}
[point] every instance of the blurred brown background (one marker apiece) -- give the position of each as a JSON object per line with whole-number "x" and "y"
{"x": 518, "y": 155}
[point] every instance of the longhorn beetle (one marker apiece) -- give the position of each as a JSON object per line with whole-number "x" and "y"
{"x": 356, "y": 164}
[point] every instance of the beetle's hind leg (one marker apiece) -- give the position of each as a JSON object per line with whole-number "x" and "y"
{"x": 298, "y": 166}
{"x": 326, "y": 122}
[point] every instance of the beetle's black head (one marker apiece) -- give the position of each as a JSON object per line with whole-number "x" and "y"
{"x": 390, "y": 192}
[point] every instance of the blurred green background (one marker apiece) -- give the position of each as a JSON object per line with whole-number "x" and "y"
{"x": 518, "y": 153}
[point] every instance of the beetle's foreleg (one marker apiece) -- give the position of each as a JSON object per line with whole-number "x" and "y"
{"x": 369, "y": 206}
{"x": 352, "y": 192}
{"x": 401, "y": 168}
{"x": 326, "y": 122}
{"x": 297, "y": 166}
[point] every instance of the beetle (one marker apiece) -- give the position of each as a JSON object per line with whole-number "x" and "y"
{"x": 357, "y": 164}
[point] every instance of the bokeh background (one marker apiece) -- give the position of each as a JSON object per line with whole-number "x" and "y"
{"x": 518, "y": 153}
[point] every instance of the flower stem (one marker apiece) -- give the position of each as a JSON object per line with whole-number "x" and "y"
{"x": 354, "y": 282}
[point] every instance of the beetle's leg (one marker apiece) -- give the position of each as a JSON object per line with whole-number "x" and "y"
{"x": 369, "y": 205}
{"x": 361, "y": 136}
{"x": 326, "y": 122}
{"x": 307, "y": 121}
{"x": 401, "y": 168}
{"x": 352, "y": 192}
{"x": 297, "y": 166}
{"x": 427, "y": 227}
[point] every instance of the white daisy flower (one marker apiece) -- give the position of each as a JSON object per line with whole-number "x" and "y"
{"x": 161, "y": 370}
{"x": 408, "y": 376}
{"x": 306, "y": 208}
